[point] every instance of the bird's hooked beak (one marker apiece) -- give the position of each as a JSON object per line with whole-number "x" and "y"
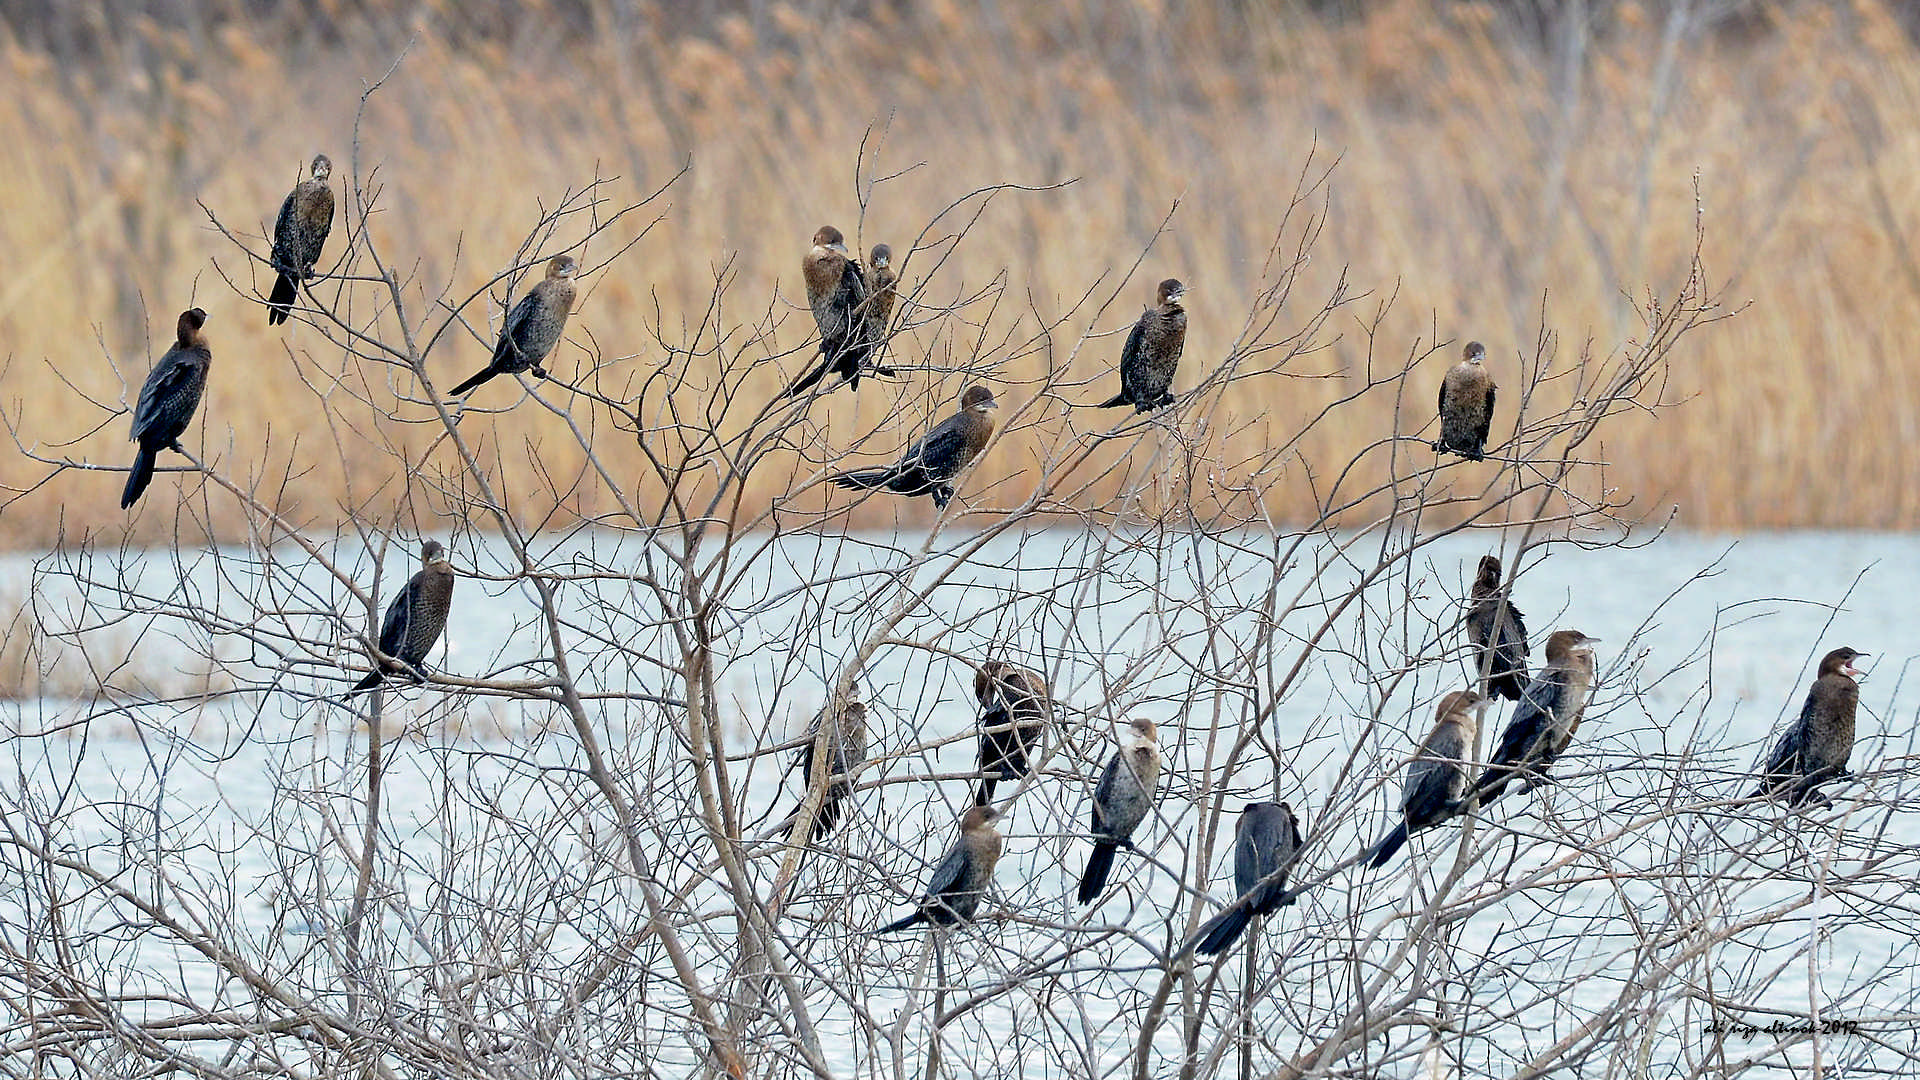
{"x": 839, "y": 249}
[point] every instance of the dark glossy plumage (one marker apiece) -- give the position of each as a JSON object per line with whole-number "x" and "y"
{"x": 839, "y": 748}
{"x": 167, "y": 401}
{"x": 1498, "y": 633}
{"x": 1815, "y": 747}
{"x": 837, "y": 292}
{"x": 1152, "y": 352}
{"x": 1436, "y": 782}
{"x": 1013, "y": 722}
{"x": 415, "y": 619}
{"x": 1266, "y": 840}
{"x": 532, "y": 328}
{"x": 930, "y": 465}
{"x": 1120, "y": 803}
{"x": 960, "y": 881}
{"x": 298, "y": 235}
{"x": 1548, "y": 714}
{"x": 1466, "y": 405}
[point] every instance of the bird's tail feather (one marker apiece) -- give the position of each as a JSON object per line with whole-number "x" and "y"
{"x": 1114, "y": 402}
{"x": 984, "y": 795}
{"x": 280, "y": 301}
{"x": 901, "y": 924}
{"x": 1388, "y": 846}
{"x": 1508, "y": 684}
{"x": 139, "y": 478}
{"x": 819, "y": 372}
{"x": 478, "y": 377}
{"x": 869, "y": 479}
{"x": 1099, "y": 865}
{"x": 1223, "y": 930}
{"x": 372, "y": 680}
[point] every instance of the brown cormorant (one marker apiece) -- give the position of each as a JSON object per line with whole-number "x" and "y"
{"x": 1435, "y": 788}
{"x": 1152, "y": 352}
{"x": 532, "y": 328}
{"x": 301, "y": 230}
{"x": 1466, "y": 405}
{"x": 837, "y": 293}
{"x": 167, "y": 401}
{"x": 958, "y": 883}
{"x": 1013, "y": 722}
{"x": 881, "y": 284}
{"x": 1548, "y": 714}
{"x": 414, "y": 621}
{"x": 1266, "y": 840}
{"x": 1815, "y": 747}
{"x": 1120, "y": 802}
{"x": 930, "y": 465}
{"x": 1498, "y": 633}
{"x": 838, "y": 747}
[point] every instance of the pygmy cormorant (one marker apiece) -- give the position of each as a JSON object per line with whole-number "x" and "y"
{"x": 1152, "y": 352}
{"x": 532, "y": 328}
{"x": 1013, "y": 722}
{"x": 882, "y": 291}
{"x": 1266, "y": 840}
{"x": 167, "y": 401}
{"x": 1435, "y": 788}
{"x": 953, "y": 893}
{"x": 1815, "y": 747}
{"x": 414, "y": 621}
{"x": 838, "y": 748}
{"x": 837, "y": 293}
{"x": 1548, "y": 714}
{"x": 1466, "y": 405}
{"x": 930, "y": 465}
{"x": 1498, "y": 633}
{"x": 301, "y": 230}
{"x": 1120, "y": 802}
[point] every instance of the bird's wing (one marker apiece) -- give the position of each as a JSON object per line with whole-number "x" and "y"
{"x": 174, "y": 368}
{"x": 1103, "y": 792}
{"x": 1441, "y": 404}
{"x": 393, "y": 628}
{"x": 939, "y": 453}
{"x": 1516, "y": 633}
{"x": 1130, "y": 353}
{"x": 283, "y": 232}
{"x": 1486, "y": 418}
{"x": 1529, "y": 722}
{"x": 949, "y": 872}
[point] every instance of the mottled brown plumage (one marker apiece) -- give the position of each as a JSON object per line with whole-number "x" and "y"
{"x": 414, "y": 621}
{"x": 168, "y": 400}
{"x": 298, "y": 235}
{"x": 533, "y": 328}
{"x": 1152, "y": 352}
{"x": 1498, "y": 633}
{"x": 930, "y": 465}
{"x": 1542, "y": 725}
{"x": 1466, "y": 405}
{"x": 1013, "y": 722}
{"x": 836, "y": 747}
{"x": 837, "y": 293}
{"x": 1815, "y": 747}
{"x": 1435, "y": 788}
{"x": 960, "y": 881}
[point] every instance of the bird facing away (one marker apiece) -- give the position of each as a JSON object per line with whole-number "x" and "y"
{"x": 882, "y": 291}
{"x": 167, "y": 401}
{"x": 1266, "y": 840}
{"x": 1815, "y": 747}
{"x": 1435, "y": 788}
{"x": 414, "y": 621}
{"x": 1498, "y": 634}
{"x": 953, "y": 893}
{"x": 298, "y": 235}
{"x": 1548, "y": 714}
{"x": 834, "y": 750}
{"x": 837, "y": 293}
{"x": 930, "y": 465}
{"x": 1466, "y": 406}
{"x": 1120, "y": 802}
{"x": 532, "y": 328}
{"x": 1013, "y": 722}
{"x": 1152, "y": 352}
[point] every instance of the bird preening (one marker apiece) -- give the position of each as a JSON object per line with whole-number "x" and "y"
{"x": 1466, "y": 406}
{"x": 960, "y": 881}
{"x": 1816, "y": 745}
{"x": 1121, "y": 801}
{"x": 1152, "y": 352}
{"x": 298, "y": 235}
{"x": 533, "y": 328}
{"x": 167, "y": 401}
{"x": 414, "y": 621}
{"x": 930, "y": 466}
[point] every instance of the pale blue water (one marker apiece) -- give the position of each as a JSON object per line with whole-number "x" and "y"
{"x": 1708, "y": 643}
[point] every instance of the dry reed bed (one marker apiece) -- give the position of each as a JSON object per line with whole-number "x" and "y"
{"x": 1474, "y": 178}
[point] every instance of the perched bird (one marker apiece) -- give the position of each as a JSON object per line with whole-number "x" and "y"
{"x": 1548, "y": 714}
{"x": 305, "y": 219}
{"x": 881, "y": 284}
{"x": 1435, "y": 788}
{"x": 1498, "y": 633}
{"x": 1120, "y": 802}
{"x": 532, "y": 328}
{"x": 837, "y": 746}
{"x": 1815, "y": 747}
{"x": 1152, "y": 352}
{"x": 837, "y": 292}
{"x": 1013, "y": 722}
{"x": 167, "y": 401}
{"x": 414, "y": 620}
{"x": 930, "y": 465}
{"x": 1265, "y": 842}
{"x": 1466, "y": 406}
{"x": 953, "y": 893}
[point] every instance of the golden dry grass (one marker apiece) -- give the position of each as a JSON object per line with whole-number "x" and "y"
{"x": 1470, "y": 184}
